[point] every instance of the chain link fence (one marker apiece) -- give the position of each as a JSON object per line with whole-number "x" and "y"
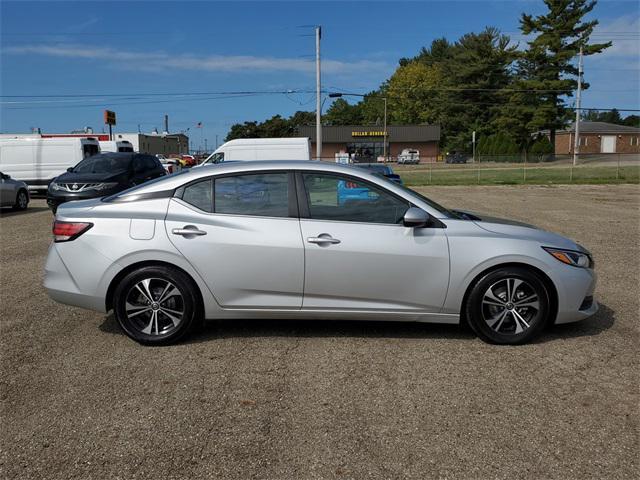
{"x": 518, "y": 169}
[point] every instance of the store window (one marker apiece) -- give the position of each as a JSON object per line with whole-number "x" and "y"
{"x": 366, "y": 152}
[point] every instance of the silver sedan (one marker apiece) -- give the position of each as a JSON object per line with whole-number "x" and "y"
{"x": 302, "y": 239}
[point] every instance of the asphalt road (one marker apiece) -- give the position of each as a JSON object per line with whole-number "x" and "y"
{"x": 304, "y": 400}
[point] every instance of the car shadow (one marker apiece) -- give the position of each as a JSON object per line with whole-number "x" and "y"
{"x": 8, "y": 212}
{"x": 254, "y": 328}
{"x": 603, "y": 320}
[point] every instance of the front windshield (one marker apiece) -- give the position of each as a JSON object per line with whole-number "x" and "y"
{"x": 103, "y": 164}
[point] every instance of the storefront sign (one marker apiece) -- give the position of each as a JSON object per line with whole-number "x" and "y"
{"x": 379, "y": 133}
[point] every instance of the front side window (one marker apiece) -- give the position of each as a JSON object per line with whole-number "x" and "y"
{"x": 264, "y": 194}
{"x": 346, "y": 199}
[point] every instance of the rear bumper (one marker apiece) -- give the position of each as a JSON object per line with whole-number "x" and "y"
{"x": 61, "y": 286}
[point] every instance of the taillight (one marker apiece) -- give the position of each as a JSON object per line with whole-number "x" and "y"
{"x": 351, "y": 185}
{"x": 67, "y": 231}
{"x": 170, "y": 169}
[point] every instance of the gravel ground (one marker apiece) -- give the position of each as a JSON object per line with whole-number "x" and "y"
{"x": 287, "y": 400}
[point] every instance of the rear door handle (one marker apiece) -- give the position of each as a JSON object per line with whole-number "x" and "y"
{"x": 323, "y": 238}
{"x": 188, "y": 230}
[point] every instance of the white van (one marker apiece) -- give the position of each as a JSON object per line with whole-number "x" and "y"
{"x": 37, "y": 161}
{"x": 113, "y": 146}
{"x": 247, "y": 149}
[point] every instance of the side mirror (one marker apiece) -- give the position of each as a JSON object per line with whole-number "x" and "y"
{"x": 70, "y": 169}
{"x": 415, "y": 218}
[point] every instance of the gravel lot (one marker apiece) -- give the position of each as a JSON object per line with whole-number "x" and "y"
{"x": 287, "y": 400}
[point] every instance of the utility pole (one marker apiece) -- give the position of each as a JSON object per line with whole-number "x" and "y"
{"x": 318, "y": 100}
{"x": 384, "y": 139}
{"x": 205, "y": 145}
{"x": 166, "y": 123}
{"x": 576, "y": 140}
{"x": 216, "y": 141}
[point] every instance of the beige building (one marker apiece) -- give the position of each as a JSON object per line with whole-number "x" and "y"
{"x": 367, "y": 143}
{"x": 165, "y": 144}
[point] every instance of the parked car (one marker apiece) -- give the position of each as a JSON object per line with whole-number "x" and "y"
{"x": 101, "y": 175}
{"x": 13, "y": 193}
{"x": 456, "y": 157}
{"x": 409, "y": 156}
{"x": 384, "y": 170}
{"x": 188, "y": 160}
{"x": 171, "y": 165}
{"x": 173, "y": 251}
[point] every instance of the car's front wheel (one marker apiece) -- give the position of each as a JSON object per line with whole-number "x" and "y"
{"x": 508, "y": 306}
{"x": 156, "y": 305}
{"x": 22, "y": 201}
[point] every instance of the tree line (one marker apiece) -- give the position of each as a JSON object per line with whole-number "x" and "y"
{"x": 482, "y": 82}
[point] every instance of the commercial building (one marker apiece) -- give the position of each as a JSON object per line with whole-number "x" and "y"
{"x": 366, "y": 143}
{"x": 599, "y": 137}
{"x": 166, "y": 144}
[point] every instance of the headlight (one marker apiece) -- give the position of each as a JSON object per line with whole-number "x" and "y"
{"x": 104, "y": 186}
{"x": 571, "y": 257}
{"x": 54, "y": 186}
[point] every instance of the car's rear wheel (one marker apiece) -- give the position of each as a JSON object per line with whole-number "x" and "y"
{"x": 22, "y": 200}
{"x": 508, "y": 306}
{"x": 156, "y": 305}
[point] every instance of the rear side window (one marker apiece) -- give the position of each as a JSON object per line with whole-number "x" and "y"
{"x": 199, "y": 195}
{"x": 259, "y": 195}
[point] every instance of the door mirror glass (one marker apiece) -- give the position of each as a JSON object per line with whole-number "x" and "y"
{"x": 415, "y": 218}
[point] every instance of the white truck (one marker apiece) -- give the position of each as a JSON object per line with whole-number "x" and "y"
{"x": 409, "y": 155}
{"x": 116, "y": 146}
{"x": 247, "y": 149}
{"x": 36, "y": 161}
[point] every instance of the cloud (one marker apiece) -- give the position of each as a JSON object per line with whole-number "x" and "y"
{"x": 623, "y": 32}
{"x": 159, "y": 61}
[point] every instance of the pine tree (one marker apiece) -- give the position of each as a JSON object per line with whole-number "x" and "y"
{"x": 559, "y": 34}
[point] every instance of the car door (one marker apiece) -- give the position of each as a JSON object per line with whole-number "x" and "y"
{"x": 358, "y": 255}
{"x": 241, "y": 233}
{"x": 7, "y": 195}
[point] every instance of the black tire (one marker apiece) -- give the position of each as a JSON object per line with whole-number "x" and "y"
{"x": 498, "y": 319}
{"x": 22, "y": 200}
{"x": 129, "y": 302}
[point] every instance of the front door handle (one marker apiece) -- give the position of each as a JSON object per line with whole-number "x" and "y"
{"x": 322, "y": 239}
{"x": 188, "y": 231}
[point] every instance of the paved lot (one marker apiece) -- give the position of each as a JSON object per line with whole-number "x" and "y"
{"x": 287, "y": 400}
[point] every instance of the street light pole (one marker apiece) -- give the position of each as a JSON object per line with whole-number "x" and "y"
{"x": 318, "y": 99}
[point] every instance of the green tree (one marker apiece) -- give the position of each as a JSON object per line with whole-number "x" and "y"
{"x": 342, "y": 112}
{"x": 558, "y": 36}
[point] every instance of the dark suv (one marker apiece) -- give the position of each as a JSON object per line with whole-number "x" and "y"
{"x": 101, "y": 175}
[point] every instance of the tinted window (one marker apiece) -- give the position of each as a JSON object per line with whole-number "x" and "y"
{"x": 199, "y": 195}
{"x": 345, "y": 199}
{"x": 262, "y": 194}
{"x": 104, "y": 163}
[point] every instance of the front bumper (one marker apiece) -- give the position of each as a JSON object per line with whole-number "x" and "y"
{"x": 575, "y": 286}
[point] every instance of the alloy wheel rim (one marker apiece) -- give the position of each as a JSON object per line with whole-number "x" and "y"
{"x": 154, "y": 306}
{"x": 510, "y": 306}
{"x": 22, "y": 200}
